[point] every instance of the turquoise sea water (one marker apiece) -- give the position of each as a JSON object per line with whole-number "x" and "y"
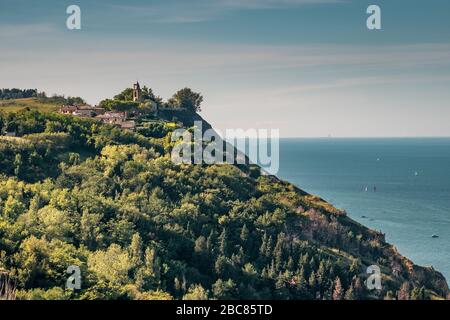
{"x": 412, "y": 179}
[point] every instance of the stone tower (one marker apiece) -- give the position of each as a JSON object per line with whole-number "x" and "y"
{"x": 137, "y": 94}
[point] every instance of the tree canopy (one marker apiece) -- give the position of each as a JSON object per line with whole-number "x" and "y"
{"x": 186, "y": 99}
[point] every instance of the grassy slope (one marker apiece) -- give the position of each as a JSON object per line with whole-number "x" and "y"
{"x": 15, "y": 105}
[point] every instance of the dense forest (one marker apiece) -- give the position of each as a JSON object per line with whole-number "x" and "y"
{"x": 77, "y": 192}
{"x": 18, "y": 93}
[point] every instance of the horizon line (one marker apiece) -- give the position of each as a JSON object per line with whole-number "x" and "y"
{"x": 367, "y": 137}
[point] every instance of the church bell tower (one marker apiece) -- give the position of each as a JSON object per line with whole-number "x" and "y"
{"x": 137, "y": 94}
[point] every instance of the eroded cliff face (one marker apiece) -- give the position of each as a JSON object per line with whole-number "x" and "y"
{"x": 428, "y": 277}
{"x": 327, "y": 226}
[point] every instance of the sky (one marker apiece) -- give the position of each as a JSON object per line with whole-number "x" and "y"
{"x": 310, "y": 68}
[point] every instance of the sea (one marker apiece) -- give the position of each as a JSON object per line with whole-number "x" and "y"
{"x": 399, "y": 186}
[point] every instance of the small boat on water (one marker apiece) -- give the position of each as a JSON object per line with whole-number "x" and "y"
{"x": 435, "y": 236}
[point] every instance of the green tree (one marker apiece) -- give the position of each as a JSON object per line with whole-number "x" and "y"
{"x": 349, "y": 294}
{"x": 187, "y": 99}
{"x": 312, "y": 282}
{"x": 321, "y": 275}
{"x": 111, "y": 265}
{"x": 225, "y": 290}
{"x": 13, "y": 208}
{"x": 281, "y": 291}
{"x": 196, "y": 292}
{"x": 418, "y": 293}
{"x": 135, "y": 250}
{"x": 244, "y": 236}
{"x": 91, "y": 231}
{"x": 223, "y": 242}
{"x": 119, "y": 105}
{"x": 125, "y": 95}
{"x": 55, "y": 293}
{"x": 149, "y": 275}
{"x": 147, "y": 94}
{"x": 55, "y": 223}
{"x": 18, "y": 163}
{"x": 224, "y": 267}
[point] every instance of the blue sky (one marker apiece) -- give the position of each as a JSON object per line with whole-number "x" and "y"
{"x": 307, "y": 67}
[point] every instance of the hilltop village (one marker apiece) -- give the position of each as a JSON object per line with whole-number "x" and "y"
{"x": 110, "y": 117}
{"x": 126, "y": 109}
{"x": 135, "y": 109}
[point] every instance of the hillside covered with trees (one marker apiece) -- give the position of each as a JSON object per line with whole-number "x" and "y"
{"x": 77, "y": 192}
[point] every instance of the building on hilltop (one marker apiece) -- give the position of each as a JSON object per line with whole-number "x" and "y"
{"x": 137, "y": 93}
{"x": 68, "y": 109}
{"x": 82, "y": 111}
{"x": 88, "y": 111}
{"x": 118, "y": 119}
{"x": 112, "y": 117}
